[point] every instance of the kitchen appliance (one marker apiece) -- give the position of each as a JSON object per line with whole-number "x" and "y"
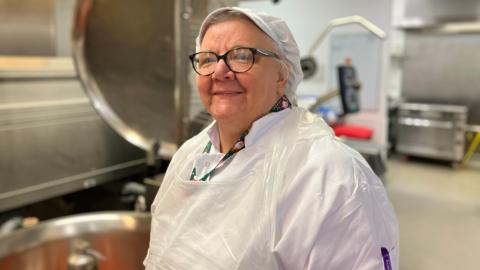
{"x": 432, "y": 130}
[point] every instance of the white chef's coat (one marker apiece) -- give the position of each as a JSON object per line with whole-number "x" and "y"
{"x": 294, "y": 198}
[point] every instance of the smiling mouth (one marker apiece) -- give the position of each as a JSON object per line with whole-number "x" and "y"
{"x": 227, "y": 93}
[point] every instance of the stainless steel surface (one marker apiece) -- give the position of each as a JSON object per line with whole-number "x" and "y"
{"x": 64, "y": 11}
{"x": 36, "y": 27}
{"x": 125, "y": 54}
{"x": 27, "y": 27}
{"x": 427, "y": 13}
{"x": 473, "y": 128}
{"x": 122, "y": 237}
{"x": 458, "y": 28}
{"x": 83, "y": 257}
{"x": 432, "y": 130}
{"x": 52, "y": 142}
{"x": 34, "y": 67}
{"x": 443, "y": 69}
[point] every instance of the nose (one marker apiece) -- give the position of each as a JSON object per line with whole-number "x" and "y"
{"x": 222, "y": 72}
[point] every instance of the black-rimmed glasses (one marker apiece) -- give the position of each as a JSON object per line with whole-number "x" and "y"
{"x": 237, "y": 60}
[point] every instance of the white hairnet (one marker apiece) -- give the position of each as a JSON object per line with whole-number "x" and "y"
{"x": 278, "y": 31}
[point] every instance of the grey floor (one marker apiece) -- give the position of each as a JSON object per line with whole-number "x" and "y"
{"x": 438, "y": 209}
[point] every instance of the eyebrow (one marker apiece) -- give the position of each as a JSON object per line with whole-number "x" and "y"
{"x": 242, "y": 46}
{"x": 234, "y": 47}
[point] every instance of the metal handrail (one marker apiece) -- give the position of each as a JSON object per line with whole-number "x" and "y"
{"x": 372, "y": 28}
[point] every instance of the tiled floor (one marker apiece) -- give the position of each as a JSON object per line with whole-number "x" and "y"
{"x": 438, "y": 209}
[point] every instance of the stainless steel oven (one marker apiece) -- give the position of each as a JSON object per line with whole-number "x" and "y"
{"x": 432, "y": 130}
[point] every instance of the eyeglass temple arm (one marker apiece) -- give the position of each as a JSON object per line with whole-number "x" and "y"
{"x": 267, "y": 53}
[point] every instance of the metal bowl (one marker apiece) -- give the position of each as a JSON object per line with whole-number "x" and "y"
{"x": 121, "y": 237}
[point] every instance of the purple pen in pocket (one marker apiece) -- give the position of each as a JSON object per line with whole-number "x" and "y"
{"x": 386, "y": 259}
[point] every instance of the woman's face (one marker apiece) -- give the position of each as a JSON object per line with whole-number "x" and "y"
{"x": 240, "y": 98}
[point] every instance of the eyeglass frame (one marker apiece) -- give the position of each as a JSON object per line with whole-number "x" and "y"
{"x": 223, "y": 57}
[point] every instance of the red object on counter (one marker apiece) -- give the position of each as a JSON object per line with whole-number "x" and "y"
{"x": 352, "y": 131}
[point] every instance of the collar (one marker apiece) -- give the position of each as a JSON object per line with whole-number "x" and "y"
{"x": 259, "y": 128}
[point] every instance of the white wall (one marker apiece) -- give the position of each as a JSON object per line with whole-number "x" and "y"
{"x": 306, "y": 18}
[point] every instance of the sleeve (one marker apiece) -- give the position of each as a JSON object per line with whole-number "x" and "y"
{"x": 335, "y": 215}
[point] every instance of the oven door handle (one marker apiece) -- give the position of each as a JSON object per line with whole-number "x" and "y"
{"x": 422, "y": 122}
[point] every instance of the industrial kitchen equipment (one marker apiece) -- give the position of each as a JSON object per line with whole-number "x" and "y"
{"x": 432, "y": 130}
{"x": 131, "y": 58}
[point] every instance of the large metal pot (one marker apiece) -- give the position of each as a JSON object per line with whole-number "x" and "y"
{"x": 121, "y": 237}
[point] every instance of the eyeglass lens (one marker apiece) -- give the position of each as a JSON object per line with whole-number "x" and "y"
{"x": 238, "y": 60}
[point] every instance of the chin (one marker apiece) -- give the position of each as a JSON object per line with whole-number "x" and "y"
{"x": 227, "y": 115}
{"x": 224, "y": 117}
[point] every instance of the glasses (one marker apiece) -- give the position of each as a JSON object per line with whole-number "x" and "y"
{"x": 237, "y": 60}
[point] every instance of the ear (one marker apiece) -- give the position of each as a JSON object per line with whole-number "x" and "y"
{"x": 282, "y": 80}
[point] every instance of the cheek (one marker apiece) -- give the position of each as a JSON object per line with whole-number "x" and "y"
{"x": 267, "y": 77}
{"x": 203, "y": 85}
{"x": 266, "y": 83}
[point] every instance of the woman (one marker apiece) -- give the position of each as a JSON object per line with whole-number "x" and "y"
{"x": 267, "y": 185}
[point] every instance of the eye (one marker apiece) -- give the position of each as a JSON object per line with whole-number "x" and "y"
{"x": 205, "y": 59}
{"x": 241, "y": 55}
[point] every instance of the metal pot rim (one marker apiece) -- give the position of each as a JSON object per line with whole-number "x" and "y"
{"x": 73, "y": 226}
